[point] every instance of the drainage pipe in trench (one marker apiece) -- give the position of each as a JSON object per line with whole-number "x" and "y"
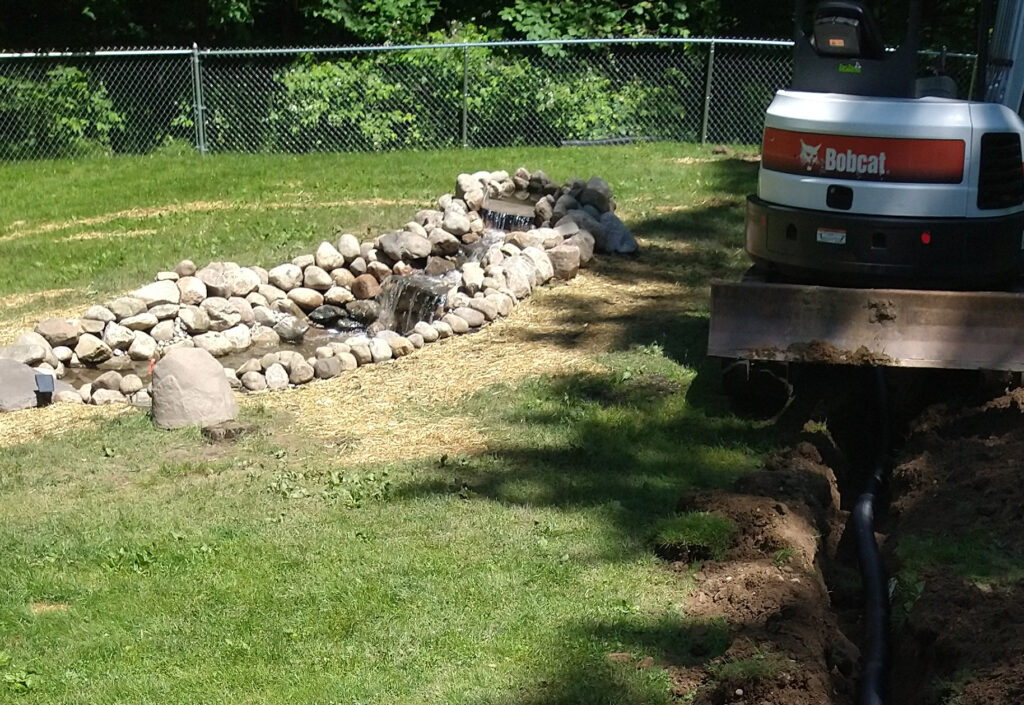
{"x": 873, "y": 686}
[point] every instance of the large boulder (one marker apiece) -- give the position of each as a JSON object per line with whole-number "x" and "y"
{"x": 618, "y": 238}
{"x": 520, "y": 275}
{"x": 124, "y": 306}
{"x": 584, "y": 242}
{"x": 597, "y": 193}
{"x": 116, "y": 336}
{"x": 189, "y": 387}
{"x": 24, "y": 354}
{"x": 348, "y": 247}
{"x": 18, "y": 386}
{"x": 291, "y": 329}
{"x": 318, "y": 278}
{"x": 91, "y": 349}
{"x": 216, "y": 276}
{"x": 192, "y": 291}
{"x": 222, "y": 313}
{"x": 565, "y": 261}
{"x": 541, "y": 262}
{"x": 307, "y": 299}
{"x": 327, "y": 257}
{"x": 285, "y": 277}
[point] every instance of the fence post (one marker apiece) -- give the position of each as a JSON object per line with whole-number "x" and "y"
{"x": 465, "y": 96}
{"x": 199, "y": 108}
{"x": 707, "y": 93}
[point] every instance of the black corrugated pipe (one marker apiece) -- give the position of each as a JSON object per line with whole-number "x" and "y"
{"x": 873, "y": 686}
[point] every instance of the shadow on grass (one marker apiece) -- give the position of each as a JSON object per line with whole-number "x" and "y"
{"x": 627, "y": 440}
{"x": 630, "y": 441}
{"x": 637, "y": 672}
{"x": 644, "y": 432}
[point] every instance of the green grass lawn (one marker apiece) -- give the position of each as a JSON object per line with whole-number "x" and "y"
{"x": 139, "y": 215}
{"x": 143, "y": 566}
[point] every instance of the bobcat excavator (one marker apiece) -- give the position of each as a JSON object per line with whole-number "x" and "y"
{"x": 888, "y": 224}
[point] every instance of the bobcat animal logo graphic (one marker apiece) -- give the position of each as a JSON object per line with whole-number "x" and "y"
{"x": 809, "y": 155}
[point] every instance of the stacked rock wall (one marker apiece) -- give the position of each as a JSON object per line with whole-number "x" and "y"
{"x": 226, "y": 308}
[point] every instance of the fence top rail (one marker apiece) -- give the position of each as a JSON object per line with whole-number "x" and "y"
{"x": 256, "y": 51}
{"x": 196, "y": 50}
{"x": 509, "y": 43}
{"x": 94, "y": 53}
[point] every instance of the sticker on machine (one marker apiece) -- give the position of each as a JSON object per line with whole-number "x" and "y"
{"x": 832, "y": 237}
{"x": 864, "y": 158}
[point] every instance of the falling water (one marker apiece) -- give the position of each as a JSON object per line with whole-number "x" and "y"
{"x": 509, "y": 222}
{"x": 508, "y": 215}
{"x": 476, "y": 251}
{"x": 404, "y": 301}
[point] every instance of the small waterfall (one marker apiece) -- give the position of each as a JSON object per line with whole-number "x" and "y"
{"x": 508, "y": 215}
{"x": 406, "y": 300}
{"x": 509, "y": 222}
{"x": 476, "y": 251}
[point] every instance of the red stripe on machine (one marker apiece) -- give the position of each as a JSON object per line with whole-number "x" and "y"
{"x": 864, "y": 158}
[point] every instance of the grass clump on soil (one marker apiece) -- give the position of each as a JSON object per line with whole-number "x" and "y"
{"x": 760, "y": 666}
{"x": 467, "y": 525}
{"x": 695, "y": 536}
{"x": 975, "y": 555}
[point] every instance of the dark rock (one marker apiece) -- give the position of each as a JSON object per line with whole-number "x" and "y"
{"x": 327, "y": 367}
{"x": 327, "y": 315}
{"x": 436, "y": 266}
{"x": 291, "y": 329}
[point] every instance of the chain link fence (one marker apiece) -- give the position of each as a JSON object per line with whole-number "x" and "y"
{"x": 388, "y": 98}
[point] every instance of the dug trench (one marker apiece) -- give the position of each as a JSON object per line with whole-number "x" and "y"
{"x": 784, "y": 605}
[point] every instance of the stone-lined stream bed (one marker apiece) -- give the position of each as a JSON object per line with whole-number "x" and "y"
{"x": 448, "y": 271}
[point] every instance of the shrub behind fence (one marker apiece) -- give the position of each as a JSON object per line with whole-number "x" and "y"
{"x": 387, "y": 98}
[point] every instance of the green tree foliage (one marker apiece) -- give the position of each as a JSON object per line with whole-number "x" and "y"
{"x": 65, "y": 113}
{"x": 36, "y": 24}
{"x": 378, "y": 21}
{"x": 415, "y": 100}
{"x": 540, "y": 19}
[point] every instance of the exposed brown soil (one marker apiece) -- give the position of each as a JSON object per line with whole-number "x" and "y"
{"x": 787, "y": 645}
{"x": 961, "y": 476}
{"x": 958, "y": 621}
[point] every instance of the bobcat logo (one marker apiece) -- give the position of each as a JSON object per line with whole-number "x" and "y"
{"x": 809, "y": 155}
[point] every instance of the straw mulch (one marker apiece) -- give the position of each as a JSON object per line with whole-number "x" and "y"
{"x": 410, "y": 407}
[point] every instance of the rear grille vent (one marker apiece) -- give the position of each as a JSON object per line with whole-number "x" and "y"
{"x": 1001, "y": 182}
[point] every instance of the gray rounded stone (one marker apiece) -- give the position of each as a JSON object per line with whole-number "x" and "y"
{"x": 254, "y": 381}
{"x": 102, "y": 397}
{"x": 276, "y": 377}
{"x": 189, "y": 388}
{"x": 285, "y": 277}
{"x": 456, "y": 324}
{"x": 300, "y": 372}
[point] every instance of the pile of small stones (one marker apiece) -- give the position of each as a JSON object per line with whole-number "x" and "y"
{"x": 226, "y": 308}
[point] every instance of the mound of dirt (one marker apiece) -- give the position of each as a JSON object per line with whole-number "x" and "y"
{"x": 787, "y": 647}
{"x": 960, "y": 488}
